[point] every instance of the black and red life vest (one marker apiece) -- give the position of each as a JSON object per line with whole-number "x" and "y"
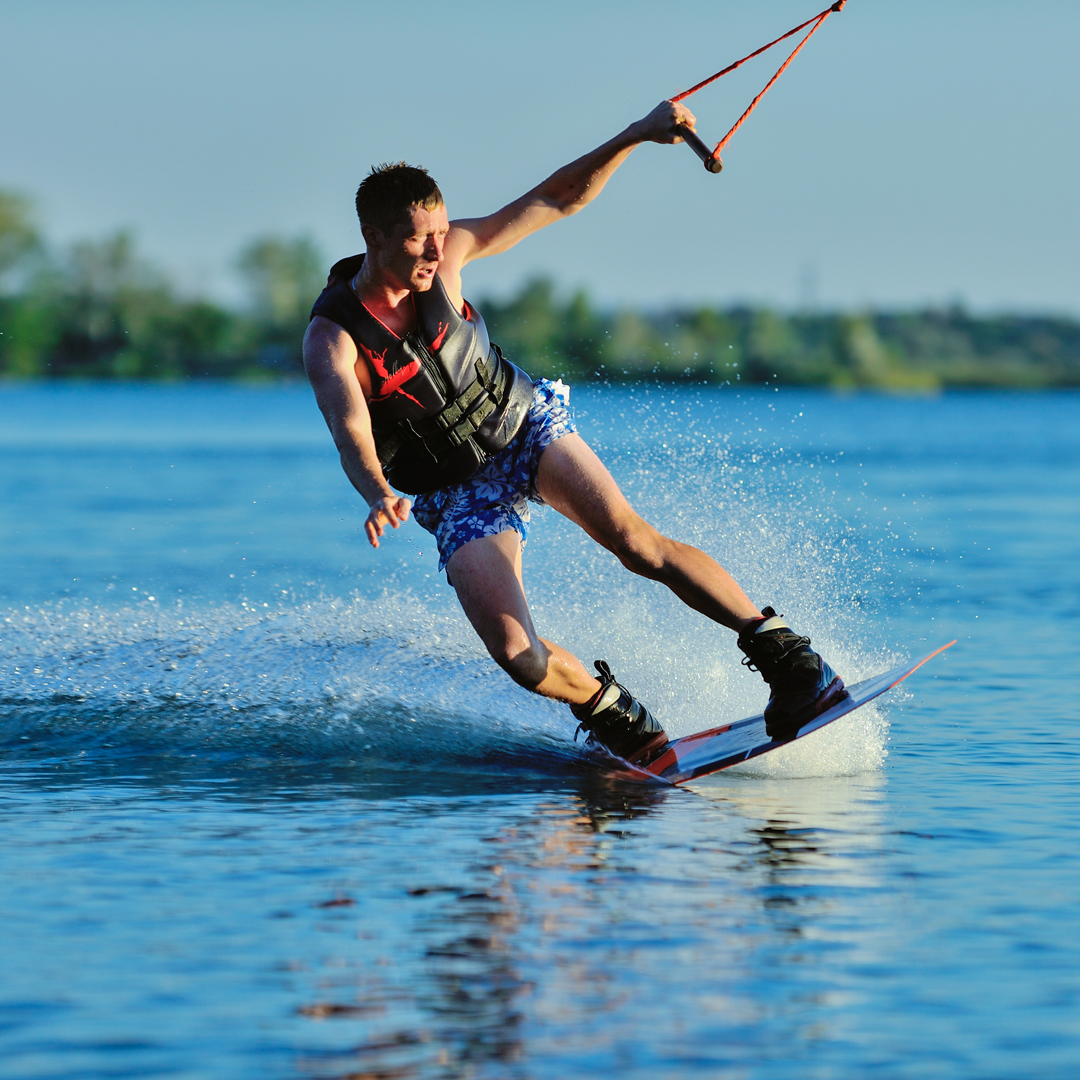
{"x": 443, "y": 398}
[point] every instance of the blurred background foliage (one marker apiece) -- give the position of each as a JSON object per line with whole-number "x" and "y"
{"x": 901, "y": 351}
{"x": 98, "y": 310}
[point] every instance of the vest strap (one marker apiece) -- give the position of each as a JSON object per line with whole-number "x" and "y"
{"x": 459, "y": 421}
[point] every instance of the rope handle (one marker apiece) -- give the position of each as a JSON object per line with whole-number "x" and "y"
{"x": 711, "y": 158}
{"x": 692, "y": 139}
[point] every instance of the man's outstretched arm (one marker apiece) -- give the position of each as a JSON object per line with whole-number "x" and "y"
{"x": 330, "y": 359}
{"x": 563, "y": 193}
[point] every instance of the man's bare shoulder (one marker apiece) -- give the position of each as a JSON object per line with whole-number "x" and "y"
{"x": 328, "y": 348}
{"x": 457, "y": 251}
{"x": 475, "y": 238}
{"x": 327, "y": 338}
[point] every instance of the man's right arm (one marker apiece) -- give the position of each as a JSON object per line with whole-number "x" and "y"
{"x": 565, "y": 192}
{"x": 330, "y": 359}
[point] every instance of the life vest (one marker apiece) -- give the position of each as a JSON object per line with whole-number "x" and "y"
{"x": 443, "y": 398}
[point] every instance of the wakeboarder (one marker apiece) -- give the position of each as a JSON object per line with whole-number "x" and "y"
{"x": 418, "y": 399}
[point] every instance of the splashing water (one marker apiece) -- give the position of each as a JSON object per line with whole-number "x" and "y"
{"x": 394, "y": 675}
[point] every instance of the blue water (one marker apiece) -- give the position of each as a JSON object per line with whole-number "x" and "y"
{"x": 269, "y": 811}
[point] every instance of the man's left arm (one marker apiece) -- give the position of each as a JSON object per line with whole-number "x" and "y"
{"x": 563, "y": 193}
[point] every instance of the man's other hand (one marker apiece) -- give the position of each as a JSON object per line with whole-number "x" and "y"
{"x": 392, "y": 510}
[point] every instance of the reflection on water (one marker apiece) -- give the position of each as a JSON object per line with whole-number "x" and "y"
{"x": 335, "y": 924}
{"x": 542, "y": 941}
{"x": 421, "y": 927}
{"x": 476, "y": 944}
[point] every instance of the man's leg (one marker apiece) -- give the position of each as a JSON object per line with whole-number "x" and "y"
{"x": 573, "y": 480}
{"x": 486, "y": 574}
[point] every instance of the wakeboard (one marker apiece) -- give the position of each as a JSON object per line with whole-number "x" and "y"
{"x": 721, "y": 747}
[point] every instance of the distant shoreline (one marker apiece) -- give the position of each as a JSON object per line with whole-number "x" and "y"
{"x": 135, "y": 337}
{"x": 158, "y": 339}
{"x": 98, "y": 311}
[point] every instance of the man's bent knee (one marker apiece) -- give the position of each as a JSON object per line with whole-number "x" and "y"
{"x": 641, "y": 549}
{"x": 528, "y": 668}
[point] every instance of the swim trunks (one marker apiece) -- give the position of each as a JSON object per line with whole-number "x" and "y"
{"x": 496, "y": 497}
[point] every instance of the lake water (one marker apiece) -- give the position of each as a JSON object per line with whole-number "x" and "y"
{"x": 269, "y": 811}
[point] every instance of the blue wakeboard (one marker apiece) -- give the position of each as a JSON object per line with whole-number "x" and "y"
{"x": 721, "y": 747}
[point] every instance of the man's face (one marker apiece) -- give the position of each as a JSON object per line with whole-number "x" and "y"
{"x": 414, "y": 249}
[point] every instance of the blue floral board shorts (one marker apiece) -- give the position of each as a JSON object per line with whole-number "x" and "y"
{"x": 496, "y": 497}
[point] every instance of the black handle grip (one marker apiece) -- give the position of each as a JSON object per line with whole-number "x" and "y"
{"x": 693, "y": 140}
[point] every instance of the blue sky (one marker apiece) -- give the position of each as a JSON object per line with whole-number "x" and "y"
{"x": 915, "y": 152}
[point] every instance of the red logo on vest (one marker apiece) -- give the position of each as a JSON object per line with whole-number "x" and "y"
{"x": 391, "y": 384}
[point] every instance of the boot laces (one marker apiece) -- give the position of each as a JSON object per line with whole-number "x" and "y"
{"x": 606, "y": 679}
{"x": 791, "y": 646}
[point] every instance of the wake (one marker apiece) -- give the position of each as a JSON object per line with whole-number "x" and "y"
{"x": 400, "y": 682}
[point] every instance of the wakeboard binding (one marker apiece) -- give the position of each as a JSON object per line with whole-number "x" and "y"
{"x": 614, "y": 718}
{"x": 802, "y": 684}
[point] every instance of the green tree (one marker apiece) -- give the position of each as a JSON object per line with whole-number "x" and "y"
{"x": 707, "y": 344}
{"x": 527, "y": 327}
{"x": 24, "y": 332}
{"x": 107, "y": 301}
{"x": 634, "y": 348}
{"x": 865, "y": 359}
{"x": 580, "y": 338}
{"x": 283, "y": 277}
{"x": 19, "y": 239}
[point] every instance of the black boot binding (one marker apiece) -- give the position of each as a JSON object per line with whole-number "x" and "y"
{"x": 614, "y": 718}
{"x": 803, "y": 685}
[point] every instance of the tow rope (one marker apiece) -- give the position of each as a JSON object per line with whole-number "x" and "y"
{"x": 711, "y": 158}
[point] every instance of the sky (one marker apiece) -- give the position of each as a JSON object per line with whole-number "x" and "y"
{"x": 917, "y": 152}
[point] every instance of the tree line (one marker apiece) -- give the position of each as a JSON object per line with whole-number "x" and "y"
{"x": 98, "y": 310}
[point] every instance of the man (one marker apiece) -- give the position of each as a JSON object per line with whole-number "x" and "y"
{"x": 416, "y": 397}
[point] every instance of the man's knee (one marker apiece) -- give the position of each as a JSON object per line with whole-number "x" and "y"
{"x": 527, "y": 667}
{"x": 641, "y": 549}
